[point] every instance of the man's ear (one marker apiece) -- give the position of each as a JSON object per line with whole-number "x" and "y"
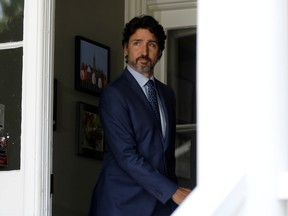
{"x": 159, "y": 55}
{"x": 125, "y": 52}
{"x": 125, "y": 49}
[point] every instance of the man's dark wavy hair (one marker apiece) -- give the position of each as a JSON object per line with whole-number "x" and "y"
{"x": 145, "y": 22}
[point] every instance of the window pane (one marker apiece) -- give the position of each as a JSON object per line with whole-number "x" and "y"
{"x": 181, "y": 76}
{"x": 181, "y": 72}
{"x": 11, "y": 20}
{"x": 10, "y": 97}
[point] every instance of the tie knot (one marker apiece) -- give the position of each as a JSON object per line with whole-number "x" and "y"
{"x": 150, "y": 84}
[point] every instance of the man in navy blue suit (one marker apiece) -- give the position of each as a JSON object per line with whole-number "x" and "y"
{"x": 138, "y": 174}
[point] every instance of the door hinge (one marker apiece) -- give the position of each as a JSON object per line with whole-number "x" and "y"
{"x": 51, "y": 184}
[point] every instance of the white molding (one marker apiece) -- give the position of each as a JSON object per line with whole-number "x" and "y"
{"x": 153, "y": 5}
{"x": 134, "y": 8}
{"x": 159, "y": 2}
{"x": 179, "y": 6}
{"x": 137, "y": 7}
{"x": 37, "y": 125}
{"x": 11, "y": 45}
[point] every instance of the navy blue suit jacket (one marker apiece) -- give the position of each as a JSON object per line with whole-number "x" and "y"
{"x": 139, "y": 164}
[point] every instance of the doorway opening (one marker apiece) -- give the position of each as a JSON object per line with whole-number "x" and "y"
{"x": 181, "y": 76}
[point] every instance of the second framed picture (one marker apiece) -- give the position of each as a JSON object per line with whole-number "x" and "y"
{"x": 91, "y": 65}
{"x": 90, "y": 135}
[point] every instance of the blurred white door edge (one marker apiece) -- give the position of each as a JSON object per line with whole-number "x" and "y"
{"x": 242, "y": 103}
{"x": 216, "y": 200}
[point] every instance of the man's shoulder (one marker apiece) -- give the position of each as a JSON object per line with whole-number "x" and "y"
{"x": 122, "y": 78}
{"x": 119, "y": 84}
{"x": 163, "y": 86}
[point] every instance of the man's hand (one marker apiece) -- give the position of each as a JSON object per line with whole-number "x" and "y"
{"x": 180, "y": 194}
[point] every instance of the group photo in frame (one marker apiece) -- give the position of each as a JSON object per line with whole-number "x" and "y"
{"x": 90, "y": 135}
{"x": 91, "y": 65}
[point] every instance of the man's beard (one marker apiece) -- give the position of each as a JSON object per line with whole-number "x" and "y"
{"x": 145, "y": 68}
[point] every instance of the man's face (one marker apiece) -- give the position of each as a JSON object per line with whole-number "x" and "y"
{"x": 142, "y": 51}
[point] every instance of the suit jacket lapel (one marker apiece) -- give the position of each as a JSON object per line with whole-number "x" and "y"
{"x": 164, "y": 102}
{"x": 133, "y": 84}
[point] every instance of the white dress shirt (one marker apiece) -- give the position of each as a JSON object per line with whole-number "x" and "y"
{"x": 142, "y": 80}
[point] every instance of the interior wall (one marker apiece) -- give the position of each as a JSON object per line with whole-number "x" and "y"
{"x": 75, "y": 176}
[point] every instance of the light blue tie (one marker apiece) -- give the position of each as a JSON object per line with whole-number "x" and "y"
{"x": 152, "y": 98}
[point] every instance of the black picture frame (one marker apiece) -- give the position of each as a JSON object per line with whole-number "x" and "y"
{"x": 92, "y": 61}
{"x": 90, "y": 135}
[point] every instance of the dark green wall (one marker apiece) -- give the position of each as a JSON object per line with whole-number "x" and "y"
{"x": 101, "y": 21}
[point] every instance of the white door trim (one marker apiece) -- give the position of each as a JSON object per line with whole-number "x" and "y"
{"x": 37, "y": 106}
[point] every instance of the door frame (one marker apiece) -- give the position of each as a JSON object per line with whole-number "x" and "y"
{"x": 37, "y": 92}
{"x": 37, "y": 106}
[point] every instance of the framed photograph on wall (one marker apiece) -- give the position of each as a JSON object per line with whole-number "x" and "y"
{"x": 90, "y": 135}
{"x": 91, "y": 65}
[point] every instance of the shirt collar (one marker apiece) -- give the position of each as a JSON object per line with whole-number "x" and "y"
{"x": 141, "y": 79}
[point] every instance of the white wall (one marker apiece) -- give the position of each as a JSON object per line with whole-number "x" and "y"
{"x": 242, "y": 108}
